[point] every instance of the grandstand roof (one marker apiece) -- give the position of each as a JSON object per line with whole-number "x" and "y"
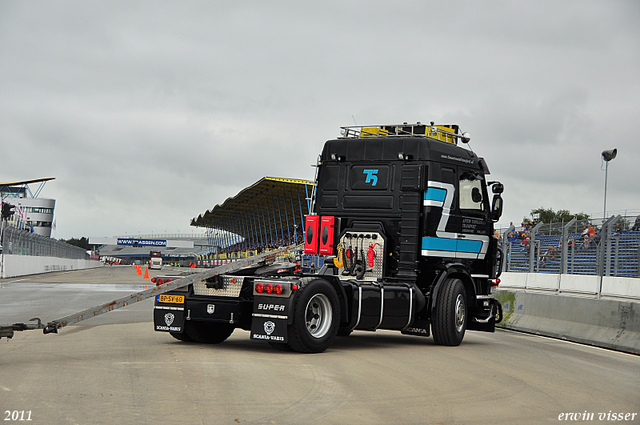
{"x": 268, "y": 205}
{"x": 14, "y": 189}
{"x": 27, "y": 181}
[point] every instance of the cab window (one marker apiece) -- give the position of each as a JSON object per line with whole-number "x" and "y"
{"x": 470, "y": 194}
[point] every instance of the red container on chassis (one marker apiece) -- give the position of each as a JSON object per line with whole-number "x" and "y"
{"x": 327, "y": 231}
{"x": 311, "y": 225}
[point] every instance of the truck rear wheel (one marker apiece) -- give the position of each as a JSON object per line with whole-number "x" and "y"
{"x": 280, "y": 346}
{"x": 449, "y": 319}
{"x": 181, "y": 336}
{"x": 316, "y": 318}
{"x": 207, "y": 332}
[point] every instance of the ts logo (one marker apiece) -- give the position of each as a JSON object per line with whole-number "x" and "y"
{"x": 371, "y": 177}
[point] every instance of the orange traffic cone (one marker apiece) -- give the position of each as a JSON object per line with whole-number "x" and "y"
{"x": 146, "y": 272}
{"x": 139, "y": 270}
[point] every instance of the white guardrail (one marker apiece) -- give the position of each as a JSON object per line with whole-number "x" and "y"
{"x": 606, "y": 286}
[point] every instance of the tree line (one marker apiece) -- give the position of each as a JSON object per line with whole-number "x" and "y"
{"x": 548, "y": 215}
{"x": 82, "y": 242}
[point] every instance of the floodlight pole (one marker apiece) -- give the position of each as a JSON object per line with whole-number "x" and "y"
{"x": 606, "y": 172}
{"x": 3, "y": 224}
{"x": 607, "y": 156}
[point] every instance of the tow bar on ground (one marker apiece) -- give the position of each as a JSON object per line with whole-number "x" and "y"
{"x": 53, "y": 326}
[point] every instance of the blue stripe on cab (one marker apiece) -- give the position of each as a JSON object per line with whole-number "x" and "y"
{"x": 453, "y": 245}
{"x": 469, "y": 246}
{"x": 435, "y": 194}
{"x": 439, "y": 244}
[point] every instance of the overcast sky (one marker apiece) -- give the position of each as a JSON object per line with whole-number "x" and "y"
{"x": 149, "y": 113}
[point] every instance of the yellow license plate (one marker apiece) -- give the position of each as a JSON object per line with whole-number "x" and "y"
{"x": 175, "y": 299}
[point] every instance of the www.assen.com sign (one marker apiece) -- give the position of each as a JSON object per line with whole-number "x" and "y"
{"x": 142, "y": 242}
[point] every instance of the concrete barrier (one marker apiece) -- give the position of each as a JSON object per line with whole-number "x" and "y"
{"x": 547, "y": 282}
{"x": 619, "y": 287}
{"x": 22, "y": 265}
{"x": 514, "y": 280}
{"x": 581, "y": 284}
{"x": 606, "y": 323}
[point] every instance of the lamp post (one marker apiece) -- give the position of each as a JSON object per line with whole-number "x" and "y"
{"x": 607, "y": 156}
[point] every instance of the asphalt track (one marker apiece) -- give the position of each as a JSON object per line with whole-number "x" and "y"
{"x": 114, "y": 369}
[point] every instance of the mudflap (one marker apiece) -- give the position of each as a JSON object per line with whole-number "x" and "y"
{"x": 270, "y": 318}
{"x": 269, "y": 329}
{"x": 419, "y": 327}
{"x": 168, "y": 319}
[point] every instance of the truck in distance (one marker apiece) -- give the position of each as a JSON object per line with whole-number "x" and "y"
{"x": 155, "y": 260}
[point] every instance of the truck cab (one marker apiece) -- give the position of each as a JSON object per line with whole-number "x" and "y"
{"x": 410, "y": 206}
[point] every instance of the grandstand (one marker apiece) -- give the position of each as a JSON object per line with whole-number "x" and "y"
{"x": 268, "y": 214}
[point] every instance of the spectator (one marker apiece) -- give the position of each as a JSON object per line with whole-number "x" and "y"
{"x": 618, "y": 228}
{"x": 589, "y": 235}
{"x": 551, "y": 254}
{"x": 585, "y": 231}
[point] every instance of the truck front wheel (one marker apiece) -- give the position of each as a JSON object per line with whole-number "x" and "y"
{"x": 316, "y": 318}
{"x": 449, "y": 318}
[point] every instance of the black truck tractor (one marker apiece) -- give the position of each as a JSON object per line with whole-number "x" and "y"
{"x": 403, "y": 217}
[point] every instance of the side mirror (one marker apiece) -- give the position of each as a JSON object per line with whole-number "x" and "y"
{"x": 476, "y": 196}
{"x": 496, "y": 207}
{"x": 497, "y": 188}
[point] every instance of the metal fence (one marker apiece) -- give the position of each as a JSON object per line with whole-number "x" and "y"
{"x": 17, "y": 241}
{"x": 562, "y": 248}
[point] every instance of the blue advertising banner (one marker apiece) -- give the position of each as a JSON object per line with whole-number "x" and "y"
{"x": 142, "y": 242}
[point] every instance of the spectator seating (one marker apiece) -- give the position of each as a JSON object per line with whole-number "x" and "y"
{"x": 623, "y": 260}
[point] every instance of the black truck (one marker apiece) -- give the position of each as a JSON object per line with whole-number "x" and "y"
{"x": 404, "y": 220}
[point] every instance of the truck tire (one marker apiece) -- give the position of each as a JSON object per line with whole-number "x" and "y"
{"x": 344, "y": 332}
{"x": 207, "y": 332}
{"x": 181, "y": 336}
{"x": 316, "y": 317}
{"x": 449, "y": 318}
{"x": 280, "y": 346}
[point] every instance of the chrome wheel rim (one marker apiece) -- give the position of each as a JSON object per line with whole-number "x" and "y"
{"x": 318, "y": 315}
{"x": 460, "y": 313}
